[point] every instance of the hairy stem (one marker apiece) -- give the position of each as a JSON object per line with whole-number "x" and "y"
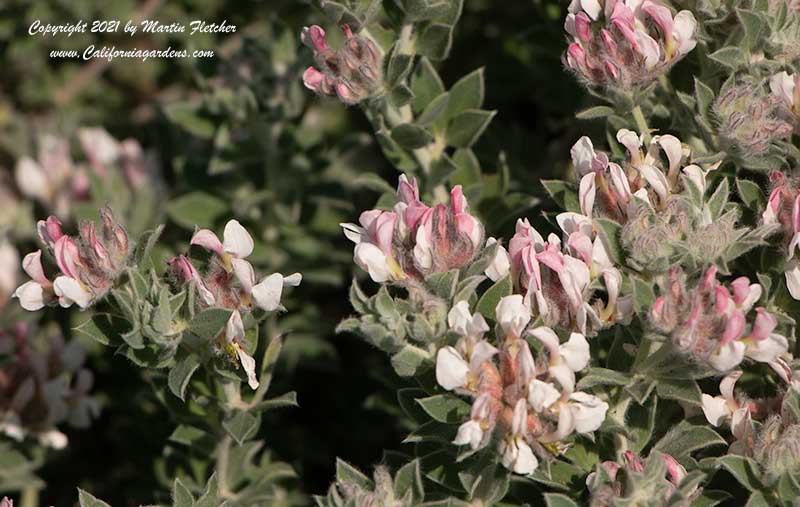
{"x": 641, "y": 124}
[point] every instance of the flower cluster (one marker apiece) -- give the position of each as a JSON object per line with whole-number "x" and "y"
{"x": 89, "y": 263}
{"x": 624, "y": 50}
{"x": 783, "y": 208}
{"x": 711, "y": 325}
{"x": 42, "y": 384}
{"x": 352, "y": 73}
{"x": 230, "y": 282}
{"x": 654, "y": 481}
{"x": 530, "y": 404}
{"x": 415, "y": 240}
{"x": 58, "y": 182}
{"x": 750, "y": 120}
{"x": 557, "y": 278}
{"x": 736, "y": 412}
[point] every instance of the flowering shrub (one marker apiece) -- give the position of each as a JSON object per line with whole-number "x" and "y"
{"x": 602, "y": 312}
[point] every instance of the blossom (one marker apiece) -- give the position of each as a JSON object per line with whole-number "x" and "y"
{"x": 566, "y": 359}
{"x": 786, "y": 88}
{"x": 626, "y": 44}
{"x": 476, "y": 431}
{"x": 415, "y": 240}
{"x": 727, "y": 409}
{"x": 711, "y": 324}
{"x": 352, "y": 73}
{"x": 500, "y": 265}
{"x": 88, "y": 264}
{"x": 515, "y": 452}
{"x": 783, "y": 210}
{"x": 460, "y": 367}
{"x": 237, "y": 243}
{"x": 234, "y": 337}
{"x": 6, "y": 502}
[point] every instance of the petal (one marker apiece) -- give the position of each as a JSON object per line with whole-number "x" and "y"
{"x": 513, "y": 315}
{"x": 582, "y": 156}
{"x": 208, "y": 240}
{"x": 245, "y": 273}
{"x": 565, "y": 377}
{"x": 632, "y": 141}
{"x": 586, "y": 194}
{"x": 353, "y": 232}
{"x": 592, "y": 8}
{"x": 576, "y": 352}
{"x": 32, "y": 265}
{"x": 782, "y": 86}
{"x": 656, "y": 179}
{"x": 697, "y": 176}
{"x": 237, "y": 240}
{"x": 526, "y": 462}
{"x": 31, "y": 296}
{"x": 469, "y": 433}
{"x": 792, "y": 276}
{"x": 71, "y": 291}
{"x": 500, "y": 265}
{"x": 542, "y": 394}
{"x": 727, "y": 356}
{"x": 459, "y": 318}
{"x": 673, "y": 148}
{"x": 571, "y": 222}
{"x": 768, "y": 350}
{"x": 588, "y": 412}
{"x": 370, "y": 258}
{"x": 683, "y": 31}
{"x": 481, "y": 352}
{"x": 267, "y": 293}
{"x": 234, "y": 328}
{"x": 451, "y": 369}
{"x": 715, "y": 409}
{"x": 249, "y": 367}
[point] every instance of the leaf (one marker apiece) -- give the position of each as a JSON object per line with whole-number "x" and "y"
{"x": 285, "y": 400}
{"x": 196, "y": 208}
{"x": 409, "y": 478}
{"x": 398, "y": 68}
{"x": 746, "y": 471}
{"x": 409, "y": 360}
{"x": 348, "y": 474}
{"x": 753, "y": 24}
{"x": 704, "y": 96}
{"x": 686, "y": 438}
{"x": 188, "y": 117}
{"x": 710, "y": 498}
{"x": 188, "y": 435}
{"x": 181, "y": 374}
{"x": 489, "y": 300}
{"x": 751, "y": 194}
{"x": 102, "y": 328}
{"x": 602, "y": 377}
{"x": 411, "y": 136}
{"x": 716, "y": 203}
{"x": 209, "y": 323}
{"x": 425, "y": 84}
{"x": 558, "y": 500}
{"x": 757, "y": 499}
{"x": 686, "y": 391}
{"x": 445, "y": 408}
{"x": 732, "y": 57}
{"x": 443, "y": 284}
{"x": 242, "y": 426}
{"x": 643, "y": 295}
{"x": 144, "y": 246}
{"x": 435, "y": 41}
{"x": 433, "y": 110}
{"x": 594, "y": 113}
{"x": 181, "y": 496}
{"x": 466, "y": 94}
{"x": 467, "y": 127}
{"x": 87, "y": 500}
{"x": 640, "y": 420}
{"x": 564, "y": 194}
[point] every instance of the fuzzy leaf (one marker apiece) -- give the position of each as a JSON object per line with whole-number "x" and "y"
{"x": 181, "y": 496}
{"x": 594, "y": 113}
{"x": 242, "y": 426}
{"x": 466, "y": 94}
{"x": 209, "y": 323}
{"x": 732, "y": 57}
{"x": 488, "y": 302}
{"x": 196, "y": 208}
{"x": 435, "y": 41}
{"x": 181, "y": 374}
{"x": 87, "y": 500}
{"x": 751, "y": 194}
{"x": 467, "y": 127}
{"x": 425, "y": 84}
{"x": 602, "y": 377}
{"x": 409, "y": 360}
{"x": 445, "y": 408}
{"x": 745, "y": 470}
{"x": 558, "y": 500}
{"x": 348, "y": 474}
{"x": 685, "y": 438}
{"x": 411, "y": 136}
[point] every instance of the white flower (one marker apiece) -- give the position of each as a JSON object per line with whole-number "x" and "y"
{"x": 32, "y": 294}
{"x": 69, "y": 291}
{"x": 565, "y": 359}
{"x": 465, "y": 324}
{"x": 727, "y": 356}
{"x": 718, "y": 409}
{"x": 469, "y": 433}
{"x": 234, "y": 334}
{"x": 500, "y": 264}
{"x": 516, "y": 454}
{"x": 237, "y": 242}
{"x": 53, "y": 439}
{"x": 588, "y": 412}
{"x": 475, "y": 432}
{"x": 782, "y": 85}
{"x": 459, "y": 366}
{"x": 513, "y": 315}
{"x": 541, "y": 395}
{"x": 267, "y": 293}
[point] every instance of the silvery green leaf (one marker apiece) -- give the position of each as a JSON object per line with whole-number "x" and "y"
{"x": 87, "y": 500}
{"x": 445, "y": 408}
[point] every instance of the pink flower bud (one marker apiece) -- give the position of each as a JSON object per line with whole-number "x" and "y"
{"x": 583, "y": 27}
{"x": 314, "y": 37}
{"x": 764, "y": 324}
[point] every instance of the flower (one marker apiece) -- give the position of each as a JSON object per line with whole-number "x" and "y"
{"x": 237, "y": 243}
{"x": 783, "y": 210}
{"x": 711, "y": 325}
{"x": 234, "y": 336}
{"x": 786, "y": 88}
{"x": 88, "y": 264}
{"x": 461, "y": 367}
{"x": 627, "y": 44}
{"x": 500, "y": 266}
{"x": 352, "y": 73}
{"x": 415, "y": 240}
{"x": 515, "y": 452}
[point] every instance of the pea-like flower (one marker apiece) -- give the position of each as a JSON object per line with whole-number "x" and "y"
{"x": 626, "y": 44}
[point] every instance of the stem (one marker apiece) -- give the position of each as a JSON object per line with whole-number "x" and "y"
{"x": 30, "y": 497}
{"x": 223, "y": 458}
{"x": 641, "y": 123}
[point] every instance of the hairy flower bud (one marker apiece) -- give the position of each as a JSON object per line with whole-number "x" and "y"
{"x": 352, "y": 73}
